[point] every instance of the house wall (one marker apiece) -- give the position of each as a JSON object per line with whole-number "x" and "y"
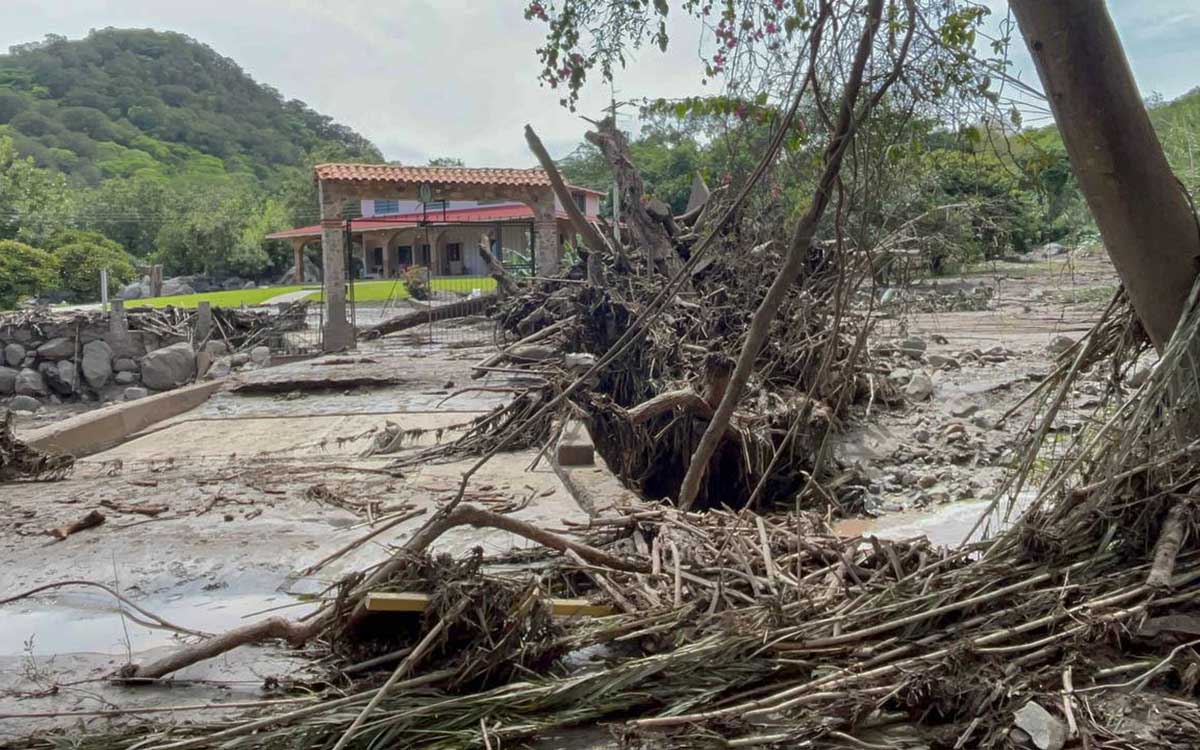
{"x": 514, "y": 241}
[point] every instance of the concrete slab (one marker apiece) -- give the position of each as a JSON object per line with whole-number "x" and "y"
{"x": 96, "y": 430}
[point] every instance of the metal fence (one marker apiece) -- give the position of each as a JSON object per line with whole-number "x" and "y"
{"x": 298, "y": 330}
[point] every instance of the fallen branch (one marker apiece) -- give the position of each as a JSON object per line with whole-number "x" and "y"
{"x": 296, "y": 634}
{"x": 532, "y": 338}
{"x": 504, "y": 280}
{"x": 90, "y": 521}
{"x": 460, "y": 309}
{"x": 1166, "y": 549}
{"x": 160, "y": 622}
{"x": 141, "y": 510}
{"x": 684, "y": 398}
{"x": 592, "y": 238}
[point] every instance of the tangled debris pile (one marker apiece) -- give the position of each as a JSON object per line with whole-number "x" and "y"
{"x": 730, "y": 628}
{"x": 19, "y": 461}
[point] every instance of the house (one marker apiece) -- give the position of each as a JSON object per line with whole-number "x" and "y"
{"x": 391, "y": 233}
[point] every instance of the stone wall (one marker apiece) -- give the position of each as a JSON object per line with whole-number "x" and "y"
{"x": 46, "y": 357}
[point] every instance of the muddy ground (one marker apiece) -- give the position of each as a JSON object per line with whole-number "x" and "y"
{"x": 259, "y": 485}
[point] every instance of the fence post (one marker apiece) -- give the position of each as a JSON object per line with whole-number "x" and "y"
{"x": 203, "y": 322}
{"x": 104, "y": 289}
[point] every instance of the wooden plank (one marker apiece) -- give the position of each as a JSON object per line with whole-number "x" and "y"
{"x": 391, "y": 601}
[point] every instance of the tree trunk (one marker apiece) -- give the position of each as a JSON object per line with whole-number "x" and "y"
{"x": 459, "y": 309}
{"x": 1144, "y": 217}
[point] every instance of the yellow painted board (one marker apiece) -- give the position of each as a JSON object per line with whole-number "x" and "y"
{"x": 390, "y": 601}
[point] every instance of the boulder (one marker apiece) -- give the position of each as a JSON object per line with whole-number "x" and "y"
{"x": 204, "y": 361}
{"x": 8, "y": 381}
{"x": 913, "y": 347}
{"x": 169, "y": 367}
{"x": 132, "y": 291}
{"x": 920, "y": 386}
{"x": 134, "y": 393}
{"x": 125, "y": 364}
{"x": 176, "y": 286}
{"x": 239, "y": 359}
{"x": 61, "y": 377}
{"x": 233, "y": 282}
{"x": 1045, "y": 730}
{"x": 97, "y": 363}
{"x": 220, "y": 368}
{"x": 58, "y": 348}
{"x": 1139, "y": 376}
{"x": 125, "y": 378}
{"x": 14, "y": 355}
{"x": 216, "y": 348}
{"x": 985, "y": 420}
{"x": 250, "y": 285}
{"x": 1060, "y": 344}
{"x": 30, "y": 383}
{"x": 260, "y": 355}
{"x": 963, "y": 408}
{"x": 24, "y": 403}
{"x": 942, "y": 362}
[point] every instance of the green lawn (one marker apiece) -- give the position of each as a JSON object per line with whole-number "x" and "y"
{"x": 364, "y": 291}
{"x": 235, "y": 298}
{"x": 382, "y": 291}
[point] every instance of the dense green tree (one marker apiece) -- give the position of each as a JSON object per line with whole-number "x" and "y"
{"x": 81, "y": 255}
{"x": 33, "y": 201}
{"x": 24, "y": 271}
{"x": 119, "y": 86}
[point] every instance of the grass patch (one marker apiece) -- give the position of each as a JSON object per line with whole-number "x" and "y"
{"x": 1090, "y": 295}
{"x": 233, "y": 298}
{"x": 382, "y": 291}
{"x": 364, "y": 291}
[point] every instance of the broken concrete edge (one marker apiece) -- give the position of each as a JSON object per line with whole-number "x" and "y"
{"x": 575, "y": 446}
{"x": 595, "y": 489}
{"x": 108, "y": 426}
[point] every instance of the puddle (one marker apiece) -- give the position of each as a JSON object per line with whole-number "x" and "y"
{"x": 81, "y": 621}
{"x": 945, "y": 525}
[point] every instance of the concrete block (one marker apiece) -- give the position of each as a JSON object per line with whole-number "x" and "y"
{"x": 575, "y": 447}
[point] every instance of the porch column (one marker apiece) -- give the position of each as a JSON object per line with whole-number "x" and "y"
{"x": 298, "y": 252}
{"x": 546, "y": 250}
{"x": 337, "y": 335}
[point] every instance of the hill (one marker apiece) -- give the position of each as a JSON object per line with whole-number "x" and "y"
{"x": 126, "y": 102}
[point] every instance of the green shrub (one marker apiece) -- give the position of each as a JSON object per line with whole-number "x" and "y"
{"x": 24, "y": 271}
{"x": 81, "y": 256}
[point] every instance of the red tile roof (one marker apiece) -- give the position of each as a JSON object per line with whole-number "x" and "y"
{"x": 465, "y": 176}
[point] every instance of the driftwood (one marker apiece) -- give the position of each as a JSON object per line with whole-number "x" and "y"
{"x": 90, "y": 521}
{"x": 1166, "y": 550}
{"x": 460, "y": 309}
{"x": 592, "y": 238}
{"x": 646, "y": 231}
{"x": 297, "y": 633}
{"x": 684, "y": 398}
{"x": 18, "y": 460}
{"x": 504, "y": 280}
{"x": 499, "y": 357}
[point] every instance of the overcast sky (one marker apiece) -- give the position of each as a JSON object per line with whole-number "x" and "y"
{"x": 426, "y": 78}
